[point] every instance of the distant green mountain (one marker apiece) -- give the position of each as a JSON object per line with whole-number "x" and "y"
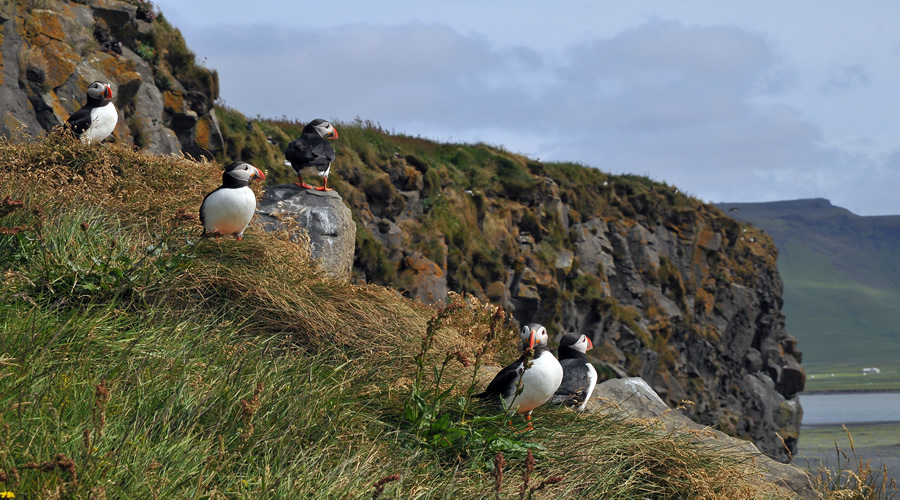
{"x": 841, "y": 274}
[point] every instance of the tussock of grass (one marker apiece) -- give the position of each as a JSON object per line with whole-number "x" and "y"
{"x": 140, "y": 361}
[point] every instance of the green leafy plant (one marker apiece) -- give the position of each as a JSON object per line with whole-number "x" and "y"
{"x": 147, "y": 52}
{"x": 444, "y": 423}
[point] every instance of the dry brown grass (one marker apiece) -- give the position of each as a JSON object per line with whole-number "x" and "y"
{"x": 141, "y": 187}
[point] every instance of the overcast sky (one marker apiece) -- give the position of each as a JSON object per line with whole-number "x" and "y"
{"x": 762, "y": 101}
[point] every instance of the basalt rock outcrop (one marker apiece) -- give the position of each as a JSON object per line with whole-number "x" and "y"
{"x": 50, "y": 55}
{"x": 319, "y": 219}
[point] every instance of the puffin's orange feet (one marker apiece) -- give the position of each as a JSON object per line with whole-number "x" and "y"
{"x": 323, "y": 188}
{"x": 304, "y": 185}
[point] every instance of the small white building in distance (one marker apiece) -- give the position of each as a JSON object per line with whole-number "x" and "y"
{"x": 867, "y": 371}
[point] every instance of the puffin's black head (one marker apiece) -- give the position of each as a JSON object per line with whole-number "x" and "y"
{"x": 533, "y": 335}
{"x": 576, "y": 341}
{"x": 100, "y": 91}
{"x": 242, "y": 172}
{"x": 321, "y": 128}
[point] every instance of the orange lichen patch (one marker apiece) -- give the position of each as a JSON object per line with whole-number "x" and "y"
{"x": 57, "y": 106}
{"x": 43, "y": 30}
{"x": 40, "y": 27}
{"x": 202, "y": 132}
{"x": 61, "y": 62}
{"x": 705, "y": 237}
{"x": 124, "y": 69}
{"x": 423, "y": 266}
{"x": 705, "y": 301}
{"x": 173, "y": 101}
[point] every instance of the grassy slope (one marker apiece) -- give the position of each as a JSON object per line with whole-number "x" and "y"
{"x": 842, "y": 282}
{"x": 138, "y": 361}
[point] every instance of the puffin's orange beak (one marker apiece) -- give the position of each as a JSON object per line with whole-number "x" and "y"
{"x": 590, "y": 344}
{"x": 334, "y": 135}
{"x": 108, "y": 93}
{"x": 260, "y": 175}
{"x": 531, "y": 341}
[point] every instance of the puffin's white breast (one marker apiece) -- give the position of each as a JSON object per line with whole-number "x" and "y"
{"x": 229, "y": 210}
{"x": 539, "y": 383}
{"x": 103, "y": 122}
{"x": 591, "y": 385}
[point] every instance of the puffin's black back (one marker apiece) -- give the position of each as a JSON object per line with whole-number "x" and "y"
{"x": 310, "y": 149}
{"x": 576, "y": 378}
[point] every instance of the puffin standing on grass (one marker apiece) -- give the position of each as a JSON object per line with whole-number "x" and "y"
{"x": 579, "y": 375}
{"x": 536, "y": 372}
{"x": 229, "y": 208}
{"x": 312, "y": 149}
{"x": 98, "y": 117}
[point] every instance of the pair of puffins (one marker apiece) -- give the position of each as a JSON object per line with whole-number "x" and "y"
{"x": 537, "y": 377}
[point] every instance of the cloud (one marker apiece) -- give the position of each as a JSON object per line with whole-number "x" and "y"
{"x": 700, "y": 107}
{"x": 845, "y": 77}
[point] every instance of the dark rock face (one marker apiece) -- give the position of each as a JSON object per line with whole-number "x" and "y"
{"x": 320, "y": 216}
{"x": 49, "y": 57}
{"x": 683, "y": 297}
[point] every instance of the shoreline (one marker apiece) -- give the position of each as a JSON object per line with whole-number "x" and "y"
{"x": 838, "y": 391}
{"x": 873, "y": 423}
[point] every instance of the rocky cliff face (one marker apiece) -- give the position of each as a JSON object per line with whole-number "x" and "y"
{"x": 51, "y": 54}
{"x": 669, "y": 289}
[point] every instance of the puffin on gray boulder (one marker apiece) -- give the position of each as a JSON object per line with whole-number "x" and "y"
{"x": 229, "y": 208}
{"x": 98, "y": 117}
{"x": 579, "y": 375}
{"x": 313, "y": 151}
{"x": 536, "y": 372}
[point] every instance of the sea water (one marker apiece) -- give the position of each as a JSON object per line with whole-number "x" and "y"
{"x": 850, "y": 408}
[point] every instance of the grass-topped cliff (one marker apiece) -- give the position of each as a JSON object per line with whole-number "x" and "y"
{"x": 140, "y": 361}
{"x": 669, "y": 288}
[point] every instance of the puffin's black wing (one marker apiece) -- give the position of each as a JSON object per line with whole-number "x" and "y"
{"x": 504, "y": 383}
{"x": 575, "y": 382}
{"x": 80, "y": 120}
{"x": 309, "y": 150}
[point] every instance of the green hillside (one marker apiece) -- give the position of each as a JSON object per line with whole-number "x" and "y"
{"x": 841, "y": 276}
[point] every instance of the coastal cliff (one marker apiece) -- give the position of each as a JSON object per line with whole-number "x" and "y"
{"x": 668, "y": 288}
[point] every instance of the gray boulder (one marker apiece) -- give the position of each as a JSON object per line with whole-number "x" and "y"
{"x": 322, "y": 216}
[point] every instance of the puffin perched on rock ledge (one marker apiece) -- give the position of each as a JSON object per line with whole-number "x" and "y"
{"x": 312, "y": 149}
{"x": 537, "y": 372}
{"x": 98, "y": 117}
{"x": 229, "y": 208}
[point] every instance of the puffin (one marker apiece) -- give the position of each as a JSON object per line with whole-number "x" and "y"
{"x": 229, "y": 208}
{"x": 312, "y": 149}
{"x": 579, "y": 375}
{"x": 96, "y": 119}
{"x": 537, "y": 372}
